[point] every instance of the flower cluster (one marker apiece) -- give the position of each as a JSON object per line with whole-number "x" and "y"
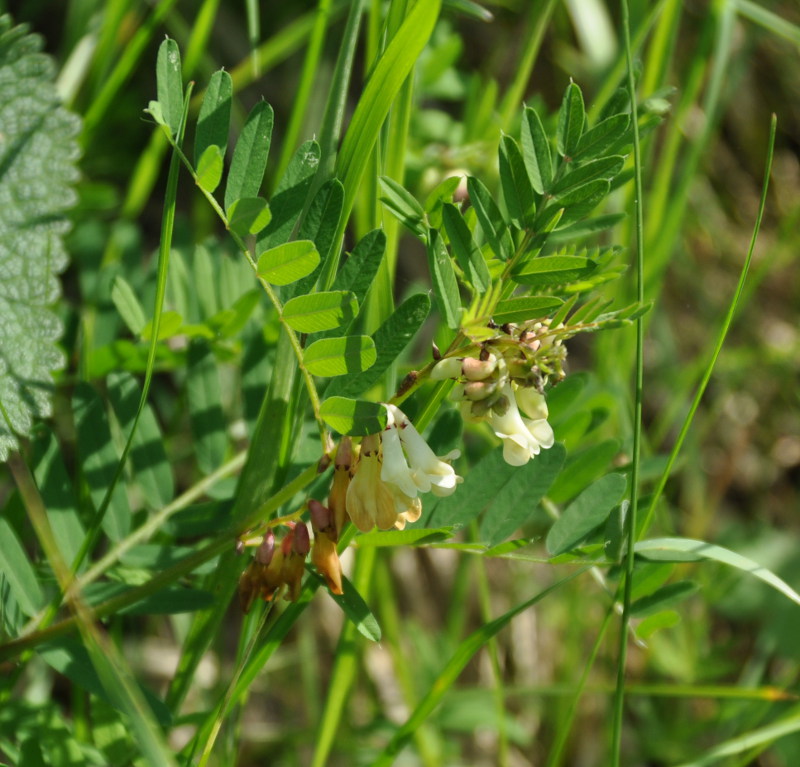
{"x": 381, "y": 488}
{"x": 504, "y": 386}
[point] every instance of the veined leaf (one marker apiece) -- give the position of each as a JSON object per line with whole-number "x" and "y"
{"x": 588, "y": 511}
{"x": 248, "y": 215}
{"x": 209, "y": 168}
{"x": 554, "y": 270}
{"x": 597, "y": 140}
{"x": 362, "y": 264}
{"x": 37, "y": 174}
{"x": 490, "y": 219}
{"x": 214, "y": 120}
{"x": 356, "y": 417}
{"x": 517, "y": 188}
{"x": 413, "y": 536}
{"x": 566, "y": 190}
{"x": 443, "y": 277}
{"x": 390, "y": 339}
{"x": 250, "y": 155}
{"x": 469, "y": 258}
{"x": 320, "y": 311}
{"x": 289, "y": 262}
{"x": 340, "y": 356}
{"x": 289, "y": 199}
{"x": 665, "y": 597}
{"x": 536, "y": 151}
{"x": 404, "y": 206}
{"x": 355, "y": 608}
{"x": 524, "y": 308}
{"x": 571, "y": 117}
{"x": 204, "y": 393}
{"x": 169, "y": 84}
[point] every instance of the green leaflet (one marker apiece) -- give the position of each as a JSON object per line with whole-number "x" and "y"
{"x": 209, "y": 168}
{"x": 18, "y": 571}
{"x": 404, "y": 206}
{"x": 203, "y": 391}
{"x": 553, "y": 270}
{"x": 169, "y": 84}
{"x": 536, "y": 151}
{"x": 128, "y": 306}
{"x": 390, "y": 339}
{"x": 99, "y": 459}
{"x": 355, "y": 608}
{"x": 665, "y": 597}
{"x": 340, "y": 356}
{"x": 588, "y": 511}
{"x": 490, "y": 220}
{"x": 524, "y": 308}
{"x": 214, "y": 120}
{"x": 248, "y": 215}
{"x": 320, "y": 311}
{"x": 571, "y": 119}
{"x": 516, "y": 184}
{"x": 352, "y": 416}
{"x": 289, "y": 262}
{"x": 250, "y": 155}
{"x": 469, "y": 257}
{"x": 443, "y": 277}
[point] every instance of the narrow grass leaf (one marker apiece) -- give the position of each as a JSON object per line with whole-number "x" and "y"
{"x": 169, "y": 84}
{"x": 666, "y": 596}
{"x": 209, "y": 168}
{"x": 522, "y": 308}
{"x": 340, "y": 356}
{"x": 354, "y": 417}
{"x": 469, "y": 257}
{"x": 446, "y": 679}
{"x": 355, "y": 609}
{"x": 536, "y": 151}
{"x": 391, "y": 338}
{"x": 553, "y": 270}
{"x": 250, "y": 154}
{"x": 248, "y": 215}
{"x": 289, "y": 262}
{"x": 213, "y": 122}
{"x": 404, "y": 206}
{"x": 490, "y": 220}
{"x": 443, "y": 277}
{"x": 18, "y": 571}
{"x": 152, "y": 471}
{"x": 171, "y": 601}
{"x": 516, "y": 184}
{"x": 128, "y": 306}
{"x": 587, "y": 512}
{"x": 571, "y": 118}
{"x": 99, "y": 459}
{"x": 690, "y": 550}
{"x": 320, "y": 311}
{"x": 207, "y": 420}
{"x": 755, "y": 739}
{"x": 516, "y": 500}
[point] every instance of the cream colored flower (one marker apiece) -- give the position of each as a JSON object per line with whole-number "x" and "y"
{"x": 523, "y": 438}
{"x": 369, "y": 500}
{"x": 427, "y": 472}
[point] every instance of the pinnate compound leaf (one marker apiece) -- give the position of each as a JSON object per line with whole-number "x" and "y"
{"x": 320, "y": 311}
{"x": 340, "y": 356}
{"x": 38, "y": 154}
{"x": 289, "y": 262}
{"x": 356, "y": 417}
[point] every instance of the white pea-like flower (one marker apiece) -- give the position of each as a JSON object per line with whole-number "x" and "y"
{"x": 523, "y": 438}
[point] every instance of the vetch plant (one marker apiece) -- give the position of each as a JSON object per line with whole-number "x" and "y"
{"x": 366, "y": 365}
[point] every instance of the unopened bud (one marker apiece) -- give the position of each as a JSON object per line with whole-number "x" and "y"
{"x": 479, "y": 390}
{"x": 435, "y": 353}
{"x": 302, "y": 543}
{"x": 447, "y": 368}
{"x": 321, "y": 517}
{"x": 344, "y": 455}
{"x": 266, "y": 549}
{"x": 478, "y": 370}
